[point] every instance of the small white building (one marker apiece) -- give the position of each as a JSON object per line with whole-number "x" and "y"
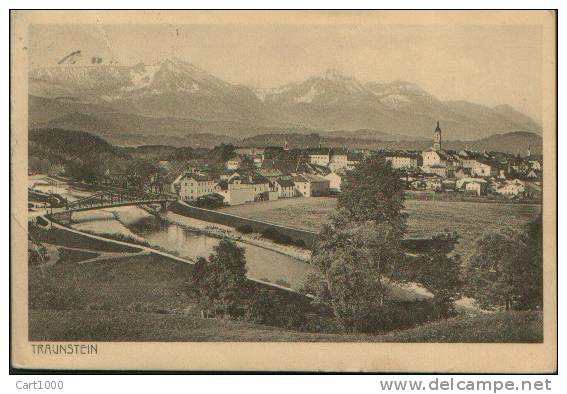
{"x": 432, "y": 157}
{"x": 236, "y": 192}
{"x": 249, "y": 151}
{"x": 320, "y": 157}
{"x": 309, "y": 185}
{"x": 191, "y": 186}
{"x": 233, "y": 163}
{"x": 467, "y": 159}
{"x": 285, "y": 188}
{"x": 512, "y": 188}
{"x": 338, "y": 159}
{"x": 484, "y": 168}
{"x": 440, "y": 170}
{"x": 476, "y": 186}
{"x": 258, "y": 160}
{"x": 335, "y": 181}
{"x": 402, "y": 161}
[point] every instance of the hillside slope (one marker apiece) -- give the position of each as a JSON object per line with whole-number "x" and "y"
{"x": 510, "y": 327}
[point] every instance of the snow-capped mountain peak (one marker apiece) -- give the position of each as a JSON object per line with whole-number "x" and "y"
{"x": 329, "y": 100}
{"x": 337, "y": 78}
{"x": 116, "y": 82}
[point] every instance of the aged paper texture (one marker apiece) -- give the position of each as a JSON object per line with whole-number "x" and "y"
{"x": 284, "y": 190}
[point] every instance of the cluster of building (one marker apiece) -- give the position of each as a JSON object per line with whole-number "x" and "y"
{"x": 439, "y": 170}
{"x": 249, "y": 176}
{"x": 239, "y": 186}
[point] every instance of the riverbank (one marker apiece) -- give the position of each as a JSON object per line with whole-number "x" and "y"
{"x": 221, "y": 231}
{"x": 190, "y": 239}
{"x": 287, "y": 272}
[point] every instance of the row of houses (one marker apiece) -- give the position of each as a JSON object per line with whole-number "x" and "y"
{"x": 466, "y": 163}
{"x": 475, "y": 186}
{"x": 455, "y": 164}
{"x": 335, "y": 159}
{"x": 240, "y": 187}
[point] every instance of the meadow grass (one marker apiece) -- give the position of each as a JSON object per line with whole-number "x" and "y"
{"x": 425, "y": 218}
{"x": 99, "y": 325}
{"x": 143, "y": 298}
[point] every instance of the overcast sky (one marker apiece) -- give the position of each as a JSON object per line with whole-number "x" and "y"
{"x": 486, "y": 64}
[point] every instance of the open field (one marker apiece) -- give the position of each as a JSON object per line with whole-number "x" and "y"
{"x": 526, "y": 327}
{"x": 128, "y": 298}
{"x": 137, "y": 283}
{"x": 469, "y": 219}
{"x": 305, "y": 213}
{"x": 64, "y": 238}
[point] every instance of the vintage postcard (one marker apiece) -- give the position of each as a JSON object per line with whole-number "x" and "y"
{"x": 284, "y": 190}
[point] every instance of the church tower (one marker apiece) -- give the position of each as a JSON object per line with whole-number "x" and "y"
{"x": 437, "y": 138}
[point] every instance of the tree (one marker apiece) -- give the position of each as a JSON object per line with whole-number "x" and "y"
{"x": 271, "y": 307}
{"x": 37, "y": 253}
{"x": 359, "y": 253}
{"x": 506, "y": 269}
{"x": 221, "y": 153}
{"x": 261, "y": 306}
{"x": 374, "y": 191}
{"x": 202, "y": 286}
{"x": 355, "y": 263}
{"x": 219, "y": 283}
{"x": 439, "y": 271}
{"x": 140, "y": 171}
{"x": 247, "y": 164}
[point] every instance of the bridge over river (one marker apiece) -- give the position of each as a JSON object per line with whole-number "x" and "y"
{"x": 109, "y": 199}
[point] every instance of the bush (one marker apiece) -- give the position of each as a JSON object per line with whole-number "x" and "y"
{"x": 283, "y": 283}
{"x": 300, "y": 243}
{"x": 269, "y": 306}
{"x": 121, "y": 237}
{"x": 398, "y": 315}
{"x": 277, "y": 237}
{"x": 208, "y": 203}
{"x": 41, "y": 221}
{"x": 270, "y": 233}
{"x": 37, "y": 254}
{"x": 245, "y": 229}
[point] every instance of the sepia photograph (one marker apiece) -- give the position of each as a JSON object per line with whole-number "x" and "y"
{"x": 379, "y": 180}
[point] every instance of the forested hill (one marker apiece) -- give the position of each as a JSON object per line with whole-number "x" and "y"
{"x": 83, "y": 155}
{"x": 69, "y": 143}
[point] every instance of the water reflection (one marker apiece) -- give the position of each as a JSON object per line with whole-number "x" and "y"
{"x": 261, "y": 263}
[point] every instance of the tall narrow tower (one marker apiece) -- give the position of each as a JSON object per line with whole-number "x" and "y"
{"x": 437, "y": 138}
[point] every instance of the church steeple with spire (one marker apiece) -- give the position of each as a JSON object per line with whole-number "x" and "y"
{"x": 437, "y": 138}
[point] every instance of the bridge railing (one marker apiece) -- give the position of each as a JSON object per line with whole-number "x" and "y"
{"x": 118, "y": 196}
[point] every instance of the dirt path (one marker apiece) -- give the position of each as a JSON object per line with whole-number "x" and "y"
{"x": 101, "y": 256}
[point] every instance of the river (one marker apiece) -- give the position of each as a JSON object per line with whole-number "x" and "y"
{"x": 261, "y": 263}
{"x": 172, "y": 235}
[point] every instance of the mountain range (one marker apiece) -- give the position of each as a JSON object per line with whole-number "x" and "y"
{"x": 176, "y": 99}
